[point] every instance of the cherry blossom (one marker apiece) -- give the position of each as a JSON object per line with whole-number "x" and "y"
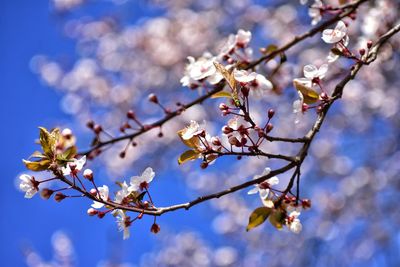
{"x": 142, "y": 182}
{"x": 332, "y": 36}
{"x": 313, "y": 75}
{"x": 293, "y": 222}
{"x": 299, "y": 107}
{"x": 72, "y": 168}
{"x": 315, "y": 12}
{"x": 123, "y": 223}
{"x": 29, "y": 185}
{"x": 103, "y": 194}
{"x": 264, "y": 187}
{"x": 200, "y": 69}
{"x": 191, "y": 130}
{"x": 257, "y": 83}
{"x": 122, "y": 193}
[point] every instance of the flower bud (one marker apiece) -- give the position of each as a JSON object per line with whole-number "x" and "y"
{"x": 88, "y": 174}
{"x": 226, "y": 129}
{"x": 369, "y": 44}
{"x": 204, "y": 165}
{"x": 233, "y": 140}
{"x": 160, "y": 134}
{"x": 122, "y": 154}
{"x": 66, "y": 133}
{"x": 269, "y": 127}
{"x": 90, "y": 124}
{"x": 271, "y": 113}
{"x": 131, "y": 115}
{"x": 223, "y": 106}
{"x": 92, "y": 212}
{"x": 153, "y": 98}
{"x": 306, "y": 203}
{"x": 324, "y": 96}
{"x": 46, "y": 193}
{"x": 101, "y": 214}
{"x": 59, "y": 196}
{"x": 215, "y": 141}
{"x": 155, "y": 228}
{"x": 361, "y": 51}
{"x": 97, "y": 128}
{"x": 93, "y": 192}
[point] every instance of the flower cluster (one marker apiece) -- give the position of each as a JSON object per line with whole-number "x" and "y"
{"x": 235, "y": 52}
{"x": 279, "y": 208}
{"x": 59, "y": 157}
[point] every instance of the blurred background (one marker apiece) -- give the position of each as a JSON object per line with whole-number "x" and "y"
{"x": 65, "y": 62}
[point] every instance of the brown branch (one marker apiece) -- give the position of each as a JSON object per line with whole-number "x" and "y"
{"x": 351, "y": 7}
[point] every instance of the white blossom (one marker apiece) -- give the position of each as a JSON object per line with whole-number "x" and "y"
{"x": 293, "y": 222}
{"x": 76, "y": 164}
{"x": 122, "y": 193}
{"x": 315, "y": 12}
{"x": 190, "y": 130}
{"x": 103, "y": 194}
{"x": 298, "y": 107}
{"x": 311, "y": 72}
{"x": 263, "y": 189}
{"x": 144, "y": 179}
{"x": 28, "y": 185}
{"x": 123, "y": 223}
{"x": 243, "y": 37}
{"x": 332, "y": 36}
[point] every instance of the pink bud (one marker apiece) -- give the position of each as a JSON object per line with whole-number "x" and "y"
{"x": 155, "y": 228}
{"x": 153, "y": 98}
{"x": 88, "y": 174}
{"x": 92, "y": 212}
{"x": 271, "y": 113}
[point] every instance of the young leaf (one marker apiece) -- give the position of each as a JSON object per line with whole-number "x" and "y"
{"x": 230, "y": 79}
{"x": 188, "y": 155}
{"x": 310, "y": 96}
{"x": 44, "y": 139}
{"x": 192, "y": 142}
{"x": 37, "y": 166}
{"x": 277, "y": 219}
{"x": 257, "y": 217}
{"x": 222, "y": 94}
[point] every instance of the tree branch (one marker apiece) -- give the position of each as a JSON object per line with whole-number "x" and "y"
{"x": 348, "y": 9}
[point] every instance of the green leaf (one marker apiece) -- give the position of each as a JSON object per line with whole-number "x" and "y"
{"x": 188, "y": 155}
{"x": 257, "y": 217}
{"x": 48, "y": 140}
{"x": 38, "y": 154}
{"x": 310, "y": 96}
{"x": 37, "y": 166}
{"x": 222, "y": 94}
{"x": 269, "y": 49}
{"x": 44, "y": 139}
{"x": 69, "y": 153}
{"x": 277, "y": 219}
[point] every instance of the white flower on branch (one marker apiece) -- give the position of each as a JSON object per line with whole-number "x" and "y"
{"x": 313, "y": 75}
{"x": 333, "y": 36}
{"x": 298, "y": 107}
{"x": 123, "y": 222}
{"x": 200, "y": 69}
{"x": 28, "y": 185}
{"x": 191, "y": 130}
{"x": 257, "y": 83}
{"x": 264, "y": 188}
{"x": 142, "y": 181}
{"x": 123, "y": 192}
{"x": 103, "y": 194}
{"x": 74, "y": 167}
{"x": 315, "y": 12}
{"x": 293, "y": 222}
